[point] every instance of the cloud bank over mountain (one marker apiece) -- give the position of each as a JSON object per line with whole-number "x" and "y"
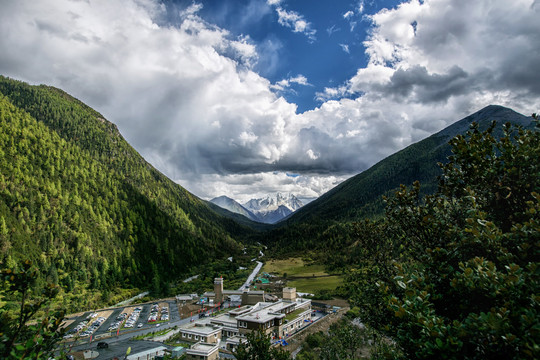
{"x": 184, "y": 92}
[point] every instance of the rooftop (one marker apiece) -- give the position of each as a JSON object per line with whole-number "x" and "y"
{"x": 233, "y": 292}
{"x": 223, "y": 319}
{"x": 202, "y": 327}
{"x": 294, "y": 314}
{"x": 241, "y": 310}
{"x": 236, "y": 340}
{"x": 144, "y": 354}
{"x": 264, "y": 312}
{"x": 202, "y": 349}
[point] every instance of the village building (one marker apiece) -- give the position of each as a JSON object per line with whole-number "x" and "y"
{"x": 203, "y": 351}
{"x": 219, "y": 294}
{"x": 278, "y": 319}
{"x": 232, "y": 343}
{"x": 228, "y": 324}
{"x": 148, "y": 354}
{"x": 201, "y": 331}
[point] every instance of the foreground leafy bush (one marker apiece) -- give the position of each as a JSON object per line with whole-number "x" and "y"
{"x": 456, "y": 275}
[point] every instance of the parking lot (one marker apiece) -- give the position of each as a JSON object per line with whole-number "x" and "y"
{"x": 87, "y": 325}
{"x": 111, "y": 322}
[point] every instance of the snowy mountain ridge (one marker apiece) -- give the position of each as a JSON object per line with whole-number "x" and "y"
{"x": 273, "y": 202}
{"x": 269, "y": 209}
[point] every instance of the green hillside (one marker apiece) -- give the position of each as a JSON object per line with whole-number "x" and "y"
{"x": 360, "y": 196}
{"x": 86, "y": 208}
{"x": 327, "y": 218}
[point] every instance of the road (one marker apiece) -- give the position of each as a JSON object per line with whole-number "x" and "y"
{"x": 190, "y": 278}
{"x": 251, "y": 277}
{"x": 118, "y": 344}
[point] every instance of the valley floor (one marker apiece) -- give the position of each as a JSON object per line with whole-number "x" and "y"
{"x": 114, "y": 331}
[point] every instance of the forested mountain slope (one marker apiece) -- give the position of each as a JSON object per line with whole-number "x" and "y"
{"x": 85, "y": 207}
{"x": 327, "y": 219}
{"x": 360, "y": 196}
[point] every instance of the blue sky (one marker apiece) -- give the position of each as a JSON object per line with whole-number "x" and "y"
{"x": 328, "y": 57}
{"x": 233, "y": 97}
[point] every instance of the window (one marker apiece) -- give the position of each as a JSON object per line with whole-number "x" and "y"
{"x": 189, "y": 336}
{"x": 196, "y": 337}
{"x": 242, "y": 324}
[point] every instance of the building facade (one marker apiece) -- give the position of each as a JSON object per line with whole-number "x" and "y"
{"x": 203, "y": 351}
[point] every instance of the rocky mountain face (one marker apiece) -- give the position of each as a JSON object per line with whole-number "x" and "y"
{"x": 270, "y": 209}
{"x": 233, "y": 206}
{"x": 273, "y": 208}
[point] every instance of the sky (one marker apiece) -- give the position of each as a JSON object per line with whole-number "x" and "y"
{"x": 249, "y": 97}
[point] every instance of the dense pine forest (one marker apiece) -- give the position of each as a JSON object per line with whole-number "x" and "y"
{"x": 87, "y": 209}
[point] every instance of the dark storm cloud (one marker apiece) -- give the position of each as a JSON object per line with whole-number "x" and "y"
{"x": 427, "y": 87}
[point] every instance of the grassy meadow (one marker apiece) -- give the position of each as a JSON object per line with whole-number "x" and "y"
{"x": 304, "y": 277}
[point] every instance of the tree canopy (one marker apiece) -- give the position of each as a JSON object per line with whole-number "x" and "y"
{"x": 24, "y": 334}
{"x": 258, "y": 347}
{"x": 456, "y": 275}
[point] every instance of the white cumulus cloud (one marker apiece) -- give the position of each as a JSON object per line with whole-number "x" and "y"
{"x": 286, "y": 83}
{"x": 187, "y": 97}
{"x": 294, "y": 20}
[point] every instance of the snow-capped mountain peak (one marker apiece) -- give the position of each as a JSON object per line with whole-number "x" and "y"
{"x": 269, "y": 209}
{"x": 273, "y": 202}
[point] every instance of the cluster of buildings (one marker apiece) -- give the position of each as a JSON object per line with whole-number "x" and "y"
{"x": 277, "y": 319}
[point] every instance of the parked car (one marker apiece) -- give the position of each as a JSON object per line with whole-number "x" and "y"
{"x": 102, "y": 345}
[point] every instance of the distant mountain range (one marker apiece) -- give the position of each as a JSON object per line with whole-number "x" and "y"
{"x": 269, "y": 210}
{"x": 233, "y": 206}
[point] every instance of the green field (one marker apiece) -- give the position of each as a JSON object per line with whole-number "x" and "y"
{"x": 293, "y": 267}
{"x": 311, "y": 279}
{"x": 312, "y": 285}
